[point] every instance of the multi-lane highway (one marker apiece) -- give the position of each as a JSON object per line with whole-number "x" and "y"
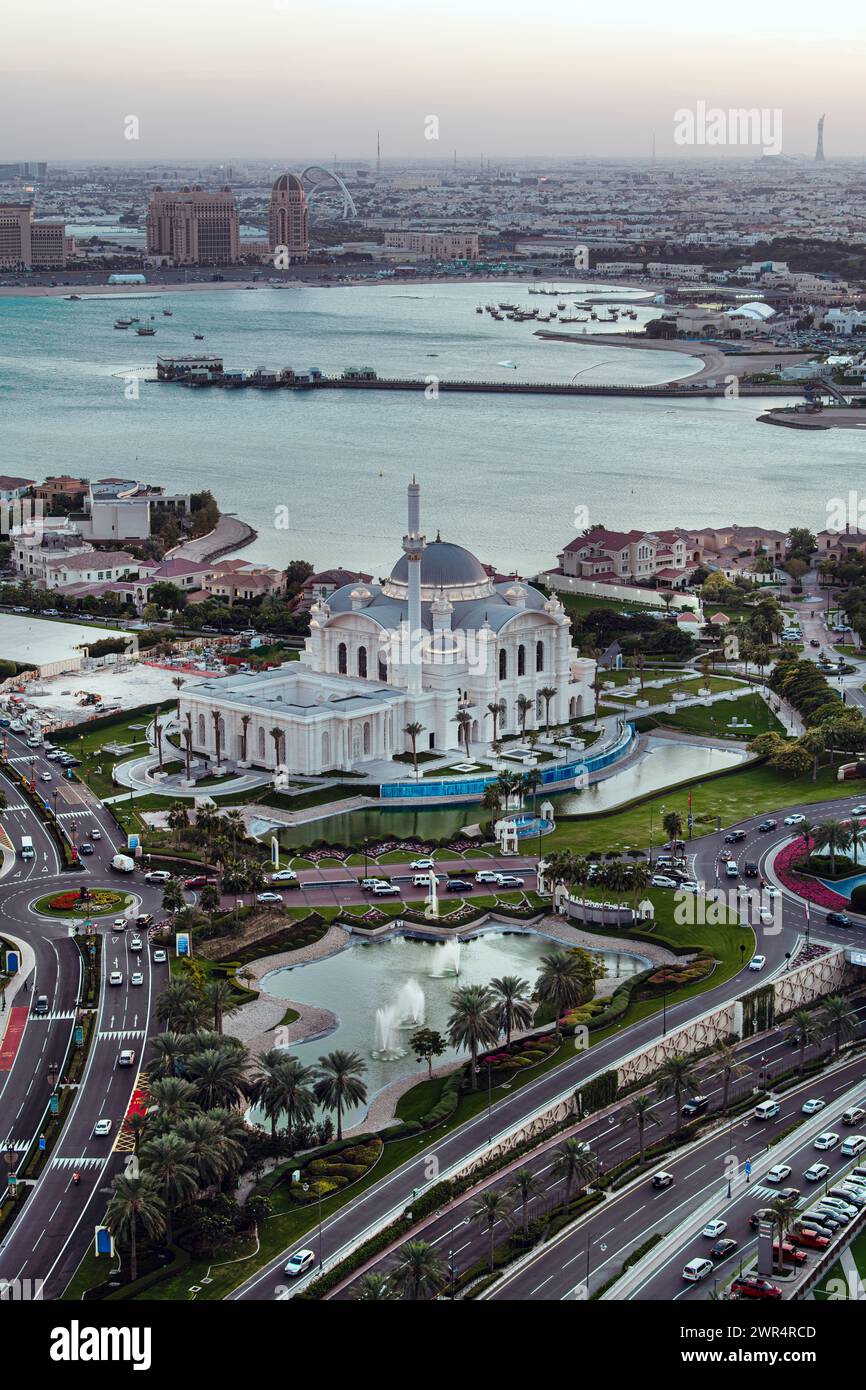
{"x": 50, "y": 1236}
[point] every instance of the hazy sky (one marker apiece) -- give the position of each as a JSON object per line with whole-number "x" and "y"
{"x": 276, "y": 78}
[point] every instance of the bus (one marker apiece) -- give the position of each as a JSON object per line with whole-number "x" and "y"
{"x": 27, "y": 850}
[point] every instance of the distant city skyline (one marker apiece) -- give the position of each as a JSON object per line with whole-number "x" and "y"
{"x": 222, "y": 82}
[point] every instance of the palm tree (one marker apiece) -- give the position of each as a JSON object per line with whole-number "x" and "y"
{"x": 167, "y": 1049}
{"x": 245, "y": 724}
{"x": 807, "y": 1028}
{"x": 177, "y": 819}
{"x": 494, "y": 709}
{"x": 413, "y": 732}
{"x": 135, "y": 1202}
{"x": 463, "y": 719}
{"x": 217, "y": 1077}
{"x": 371, "y": 1288}
{"x": 523, "y": 705}
{"x": 221, "y": 999}
{"x": 209, "y": 900}
{"x": 277, "y": 736}
{"x": 419, "y": 1271}
{"x": 730, "y": 1066}
{"x": 524, "y": 1187}
{"x": 640, "y": 1112}
{"x": 206, "y": 1148}
{"x": 547, "y": 693}
{"x": 492, "y": 800}
{"x": 340, "y": 1083}
{"x": 174, "y": 1099}
{"x": 168, "y": 1159}
{"x": 560, "y": 983}
{"x": 514, "y": 1008}
{"x": 176, "y": 1003}
{"x": 488, "y": 1208}
{"x": 840, "y": 1019}
{"x": 473, "y": 1022}
{"x": 675, "y": 1075}
{"x": 285, "y": 1087}
{"x": 576, "y": 1163}
{"x": 783, "y": 1215}
{"x": 172, "y": 896}
{"x": 673, "y": 825}
{"x": 217, "y": 734}
{"x": 234, "y": 823}
{"x": 641, "y": 875}
{"x": 856, "y": 836}
{"x": 833, "y": 835}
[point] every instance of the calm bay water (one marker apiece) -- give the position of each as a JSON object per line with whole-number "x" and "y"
{"x": 502, "y": 475}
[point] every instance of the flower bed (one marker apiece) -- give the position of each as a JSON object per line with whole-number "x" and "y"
{"x": 97, "y": 902}
{"x": 805, "y": 887}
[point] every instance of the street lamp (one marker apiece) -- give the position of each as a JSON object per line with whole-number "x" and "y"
{"x": 489, "y": 1101}
{"x": 10, "y": 1157}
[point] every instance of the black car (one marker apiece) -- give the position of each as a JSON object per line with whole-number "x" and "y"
{"x": 696, "y": 1106}
{"x": 788, "y": 1194}
{"x": 723, "y": 1248}
{"x": 768, "y": 825}
{"x": 838, "y": 919}
{"x": 458, "y": 885}
{"x": 750, "y": 869}
{"x": 813, "y": 642}
{"x": 734, "y": 837}
{"x": 85, "y": 849}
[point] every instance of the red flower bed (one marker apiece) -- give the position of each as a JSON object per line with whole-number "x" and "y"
{"x": 805, "y": 887}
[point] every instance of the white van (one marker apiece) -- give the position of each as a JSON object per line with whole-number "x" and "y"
{"x": 766, "y": 1110}
{"x": 696, "y": 1270}
{"x": 853, "y": 1145}
{"x": 731, "y": 869}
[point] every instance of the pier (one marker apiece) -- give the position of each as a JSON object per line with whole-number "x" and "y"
{"x": 197, "y": 372}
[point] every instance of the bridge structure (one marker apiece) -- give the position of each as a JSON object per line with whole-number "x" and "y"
{"x": 315, "y": 178}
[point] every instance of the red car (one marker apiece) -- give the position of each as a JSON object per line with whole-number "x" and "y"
{"x": 197, "y": 881}
{"x": 810, "y": 1239}
{"x": 754, "y": 1286}
{"x": 790, "y": 1254}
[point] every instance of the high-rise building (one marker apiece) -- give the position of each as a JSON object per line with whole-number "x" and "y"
{"x": 26, "y": 244}
{"x": 288, "y": 217}
{"x": 192, "y": 227}
{"x": 819, "y": 148}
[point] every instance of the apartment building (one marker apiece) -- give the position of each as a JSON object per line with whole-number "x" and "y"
{"x": 435, "y": 246}
{"x": 26, "y": 244}
{"x": 193, "y": 227}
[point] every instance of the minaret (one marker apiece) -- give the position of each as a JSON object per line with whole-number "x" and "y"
{"x": 819, "y": 148}
{"x": 413, "y": 548}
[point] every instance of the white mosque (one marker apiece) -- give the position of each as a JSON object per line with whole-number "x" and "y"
{"x": 438, "y": 636}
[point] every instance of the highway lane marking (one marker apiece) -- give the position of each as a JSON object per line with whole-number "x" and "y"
{"x": 541, "y": 1285}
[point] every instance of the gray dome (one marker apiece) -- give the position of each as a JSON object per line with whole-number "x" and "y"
{"x": 288, "y": 183}
{"x": 443, "y": 565}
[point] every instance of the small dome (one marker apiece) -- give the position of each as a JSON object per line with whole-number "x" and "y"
{"x": 288, "y": 183}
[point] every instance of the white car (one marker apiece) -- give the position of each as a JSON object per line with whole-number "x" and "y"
{"x": 817, "y": 1172}
{"x": 386, "y": 890}
{"x": 796, "y": 819}
{"x": 696, "y": 1270}
{"x": 101, "y": 1128}
{"x": 853, "y": 1145}
{"x": 136, "y": 978}
{"x": 858, "y": 810}
{"x": 268, "y": 898}
{"x": 284, "y": 876}
{"x": 689, "y": 887}
{"x": 486, "y": 876}
{"x": 662, "y": 881}
{"x": 46, "y": 776}
{"x": 115, "y": 978}
{"x": 771, "y": 892}
{"x": 136, "y": 944}
{"x": 779, "y": 1173}
{"x": 422, "y": 864}
{"x": 714, "y": 1228}
{"x": 757, "y": 962}
{"x": 159, "y": 957}
{"x": 422, "y": 880}
{"x": 827, "y": 1140}
{"x": 301, "y": 1261}
{"x": 811, "y": 1107}
{"x": 157, "y": 876}
{"x": 766, "y": 916}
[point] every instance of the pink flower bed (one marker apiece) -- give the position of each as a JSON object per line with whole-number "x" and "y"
{"x": 809, "y": 888}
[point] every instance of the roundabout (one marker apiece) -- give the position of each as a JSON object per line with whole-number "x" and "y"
{"x": 98, "y": 902}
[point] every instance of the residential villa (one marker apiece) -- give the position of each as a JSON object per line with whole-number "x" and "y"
{"x": 659, "y": 558}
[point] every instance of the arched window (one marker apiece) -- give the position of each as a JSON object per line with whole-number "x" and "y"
{"x": 383, "y": 670}
{"x": 503, "y": 663}
{"x": 362, "y": 661}
{"x": 202, "y": 736}
{"x": 222, "y": 727}
{"x": 366, "y": 725}
{"x": 326, "y": 751}
{"x": 342, "y": 661}
{"x": 539, "y": 656}
{"x": 539, "y": 707}
{"x": 521, "y": 660}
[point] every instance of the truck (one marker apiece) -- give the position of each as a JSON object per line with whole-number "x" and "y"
{"x": 123, "y": 864}
{"x": 27, "y": 850}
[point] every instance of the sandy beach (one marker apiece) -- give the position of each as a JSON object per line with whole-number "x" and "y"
{"x": 717, "y": 364}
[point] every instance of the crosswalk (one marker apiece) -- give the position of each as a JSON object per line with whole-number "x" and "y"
{"x": 762, "y": 1190}
{"x": 18, "y": 1146}
{"x": 62, "y": 1016}
{"x": 118, "y": 1034}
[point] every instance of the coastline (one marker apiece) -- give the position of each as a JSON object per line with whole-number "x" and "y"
{"x": 717, "y": 365}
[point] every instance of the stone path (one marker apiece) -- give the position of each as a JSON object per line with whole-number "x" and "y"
{"x": 254, "y": 1023}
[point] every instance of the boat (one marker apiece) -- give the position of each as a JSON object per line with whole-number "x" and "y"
{"x": 167, "y": 313}
{"x": 122, "y": 323}
{"x": 479, "y": 308}
{"x": 561, "y": 304}
{"x": 73, "y": 296}
{"x": 145, "y": 332}
{"x": 198, "y": 337}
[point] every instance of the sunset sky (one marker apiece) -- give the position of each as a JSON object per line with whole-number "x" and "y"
{"x": 278, "y": 79}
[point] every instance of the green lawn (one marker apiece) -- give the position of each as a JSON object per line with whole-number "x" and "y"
{"x": 713, "y": 720}
{"x": 731, "y": 797}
